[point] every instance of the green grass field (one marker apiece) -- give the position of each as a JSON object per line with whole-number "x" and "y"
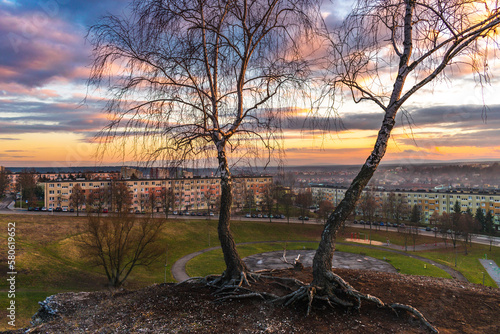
{"x": 469, "y": 264}
{"x": 48, "y": 259}
{"x": 212, "y": 262}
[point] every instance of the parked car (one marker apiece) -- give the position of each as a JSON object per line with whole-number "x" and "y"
{"x": 58, "y": 209}
{"x": 283, "y": 217}
{"x": 428, "y": 228}
{"x": 306, "y": 218}
{"x": 211, "y": 214}
{"x": 104, "y": 210}
{"x": 44, "y": 209}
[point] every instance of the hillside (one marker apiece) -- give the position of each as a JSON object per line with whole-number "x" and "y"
{"x": 453, "y": 307}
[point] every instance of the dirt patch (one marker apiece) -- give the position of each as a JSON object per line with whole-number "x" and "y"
{"x": 453, "y": 307}
{"x": 366, "y": 242}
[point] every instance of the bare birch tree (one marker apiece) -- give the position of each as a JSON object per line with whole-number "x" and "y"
{"x": 167, "y": 200}
{"x": 190, "y": 78}
{"x": 77, "y": 198}
{"x": 4, "y": 182}
{"x": 98, "y": 200}
{"x": 120, "y": 243}
{"x": 367, "y": 205}
{"x": 384, "y": 53}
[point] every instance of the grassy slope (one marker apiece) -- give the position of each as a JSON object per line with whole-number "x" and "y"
{"x": 48, "y": 260}
{"x": 469, "y": 264}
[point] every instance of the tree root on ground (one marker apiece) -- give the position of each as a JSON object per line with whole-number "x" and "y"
{"x": 341, "y": 293}
{"x": 335, "y": 292}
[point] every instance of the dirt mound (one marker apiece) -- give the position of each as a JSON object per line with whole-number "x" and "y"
{"x": 453, "y": 307}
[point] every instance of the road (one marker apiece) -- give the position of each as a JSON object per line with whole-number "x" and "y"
{"x": 478, "y": 239}
{"x": 6, "y": 201}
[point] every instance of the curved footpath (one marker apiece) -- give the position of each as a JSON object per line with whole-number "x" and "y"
{"x": 179, "y": 267}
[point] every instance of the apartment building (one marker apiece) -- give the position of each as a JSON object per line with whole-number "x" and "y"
{"x": 12, "y": 182}
{"x": 192, "y": 193}
{"x": 44, "y": 177}
{"x": 428, "y": 201}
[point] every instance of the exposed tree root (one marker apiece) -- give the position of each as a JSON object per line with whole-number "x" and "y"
{"x": 233, "y": 286}
{"x": 191, "y": 279}
{"x": 284, "y": 279}
{"x": 416, "y": 313}
{"x": 341, "y": 293}
{"x": 260, "y": 295}
{"x": 336, "y": 291}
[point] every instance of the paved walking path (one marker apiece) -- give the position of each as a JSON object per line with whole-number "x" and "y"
{"x": 274, "y": 260}
{"x": 344, "y": 260}
{"x": 492, "y": 269}
{"x": 179, "y": 267}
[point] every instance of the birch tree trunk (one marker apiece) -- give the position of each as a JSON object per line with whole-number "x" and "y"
{"x": 322, "y": 263}
{"x": 234, "y": 265}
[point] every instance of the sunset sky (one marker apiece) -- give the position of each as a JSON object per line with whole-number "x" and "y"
{"x": 44, "y": 120}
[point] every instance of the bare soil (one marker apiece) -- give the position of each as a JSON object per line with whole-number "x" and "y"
{"x": 451, "y": 306}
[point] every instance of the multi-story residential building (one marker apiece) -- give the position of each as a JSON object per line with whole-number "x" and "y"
{"x": 193, "y": 193}
{"x": 12, "y": 182}
{"x": 87, "y": 175}
{"x": 43, "y": 177}
{"x": 429, "y": 201}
